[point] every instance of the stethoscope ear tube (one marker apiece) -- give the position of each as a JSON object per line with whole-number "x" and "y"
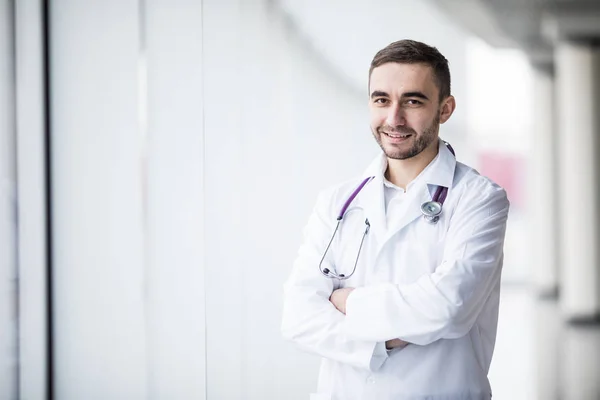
{"x": 326, "y": 271}
{"x": 331, "y": 274}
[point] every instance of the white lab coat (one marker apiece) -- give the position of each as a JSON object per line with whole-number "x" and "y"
{"x": 435, "y": 286}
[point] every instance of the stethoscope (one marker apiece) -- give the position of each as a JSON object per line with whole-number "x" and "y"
{"x": 431, "y": 211}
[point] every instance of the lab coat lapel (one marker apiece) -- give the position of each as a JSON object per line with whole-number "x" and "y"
{"x": 372, "y": 200}
{"x": 411, "y": 212}
{"x": 441, "y": 173}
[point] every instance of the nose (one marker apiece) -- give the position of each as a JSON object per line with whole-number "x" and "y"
{"x": 395, "y": 116}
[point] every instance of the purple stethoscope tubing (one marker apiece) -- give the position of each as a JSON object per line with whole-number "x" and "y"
{"x": 431, "y": 212}
{"x": 352, "y": 196}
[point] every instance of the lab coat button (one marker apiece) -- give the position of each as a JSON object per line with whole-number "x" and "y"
{"x": 371, "y": 380}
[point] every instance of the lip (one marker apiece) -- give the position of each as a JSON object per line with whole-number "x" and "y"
{"x": 397, "y": 139}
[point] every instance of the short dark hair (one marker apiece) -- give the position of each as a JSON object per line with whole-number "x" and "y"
{"x": 413, "y": 52}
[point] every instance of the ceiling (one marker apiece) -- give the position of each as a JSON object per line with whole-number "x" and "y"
{"x": 534, "y": 26}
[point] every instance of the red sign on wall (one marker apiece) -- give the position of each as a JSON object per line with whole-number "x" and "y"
{"x": 508, "y": 171}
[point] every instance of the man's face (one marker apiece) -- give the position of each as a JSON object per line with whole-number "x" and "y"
{"x": 405, "y": 109}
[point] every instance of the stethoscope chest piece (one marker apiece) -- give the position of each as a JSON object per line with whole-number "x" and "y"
{"x": 431, "y": 211}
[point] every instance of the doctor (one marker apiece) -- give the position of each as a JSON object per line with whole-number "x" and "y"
{"x": 401, "y": 305}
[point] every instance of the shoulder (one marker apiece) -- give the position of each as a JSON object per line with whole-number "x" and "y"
{"x": 478, "y": 190}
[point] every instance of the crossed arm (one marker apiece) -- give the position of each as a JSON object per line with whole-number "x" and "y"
{"x": 339, "y": 297}
{"x": 354, "y": 325}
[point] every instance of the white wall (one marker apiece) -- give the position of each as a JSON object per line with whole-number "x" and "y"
{"x": 128, "y": 199}
{"x": 98, "y": 276}
{"x": 185, "y": 163}
{"x": 174, "y": 188}
{"x": 278, "y": 127}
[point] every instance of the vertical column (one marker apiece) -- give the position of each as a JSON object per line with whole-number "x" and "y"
{"x": 99, "y": 277}
{"x": 579, "y": 363}
{"x": 8, "y": 223}
{"x": 578, "y": 93}
{"x": 543, "y": 203}
{"x": 32, "y": 197}
{"x": 547, "y": 350}
{"x": 544, "y": 187}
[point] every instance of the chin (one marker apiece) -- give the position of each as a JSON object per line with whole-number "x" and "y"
{"x": 401, "y": 154}
{"x": 396, "y": 154}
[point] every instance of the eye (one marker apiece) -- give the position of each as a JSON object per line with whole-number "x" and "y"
{"x": 414, "y": 102}
{"x": 380, "y": 100}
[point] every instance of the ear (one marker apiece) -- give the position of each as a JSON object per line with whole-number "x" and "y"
{"x": 447, "y": 108}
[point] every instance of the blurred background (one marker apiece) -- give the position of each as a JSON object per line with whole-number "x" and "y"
{"x": 159, "y": 159}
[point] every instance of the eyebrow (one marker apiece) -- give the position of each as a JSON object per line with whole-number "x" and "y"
{"x": 379, "y": 93}
{"x": 419, "y": 95}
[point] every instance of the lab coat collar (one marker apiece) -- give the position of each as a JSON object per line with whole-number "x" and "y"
{"x": 440, "y": 172}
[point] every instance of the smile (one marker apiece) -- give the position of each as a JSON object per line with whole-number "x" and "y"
{"x": 397, "y": 136}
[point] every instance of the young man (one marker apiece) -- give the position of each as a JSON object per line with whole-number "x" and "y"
{"x": 401, "y": 301}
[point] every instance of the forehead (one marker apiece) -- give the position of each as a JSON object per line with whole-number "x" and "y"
{"x": 397, "y": 78}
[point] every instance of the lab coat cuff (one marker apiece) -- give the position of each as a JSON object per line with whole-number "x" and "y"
{"x": 368, "y": 315}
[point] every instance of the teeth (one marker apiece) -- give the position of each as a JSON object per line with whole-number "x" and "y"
{"x": 397, "y": 136}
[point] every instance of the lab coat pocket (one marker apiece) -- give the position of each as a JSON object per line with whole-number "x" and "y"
{"x": 320, "y": 396}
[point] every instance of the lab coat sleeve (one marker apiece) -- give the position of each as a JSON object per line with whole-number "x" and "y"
{"x": 309, "y": 318}
{"x": 445, "y": 303}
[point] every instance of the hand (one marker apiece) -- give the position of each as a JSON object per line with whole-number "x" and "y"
{"x": 339, "y": 297}
{"x": 395, "y": 344}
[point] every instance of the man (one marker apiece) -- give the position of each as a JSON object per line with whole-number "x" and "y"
{"x": 414, "y": 315}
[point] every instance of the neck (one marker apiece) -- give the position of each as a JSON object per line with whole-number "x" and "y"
{"x": 403, "y": 172}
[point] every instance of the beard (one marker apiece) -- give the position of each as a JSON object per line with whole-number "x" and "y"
{"x": 419, "y": 141}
